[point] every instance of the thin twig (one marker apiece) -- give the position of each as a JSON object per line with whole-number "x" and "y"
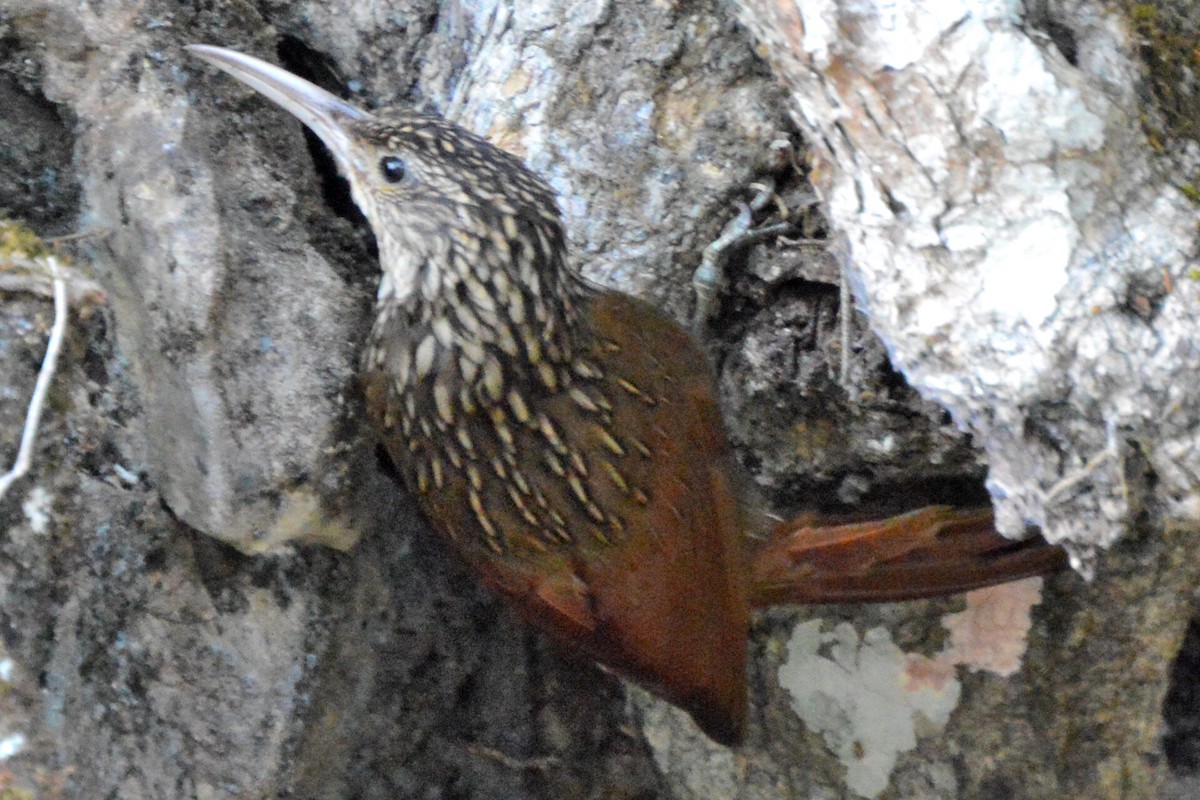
{"x": 1069, "y": 482}
{"x": 539, "y": 764}
{"x": 33, "y": 415}
{"x": 27, "y": 276}
{"x": 77, "y": 235}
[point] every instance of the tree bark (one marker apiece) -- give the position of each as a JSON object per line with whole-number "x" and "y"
{"x": 212, "y": 587}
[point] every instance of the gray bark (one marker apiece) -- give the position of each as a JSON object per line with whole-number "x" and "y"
{"x": 211, "y": 587}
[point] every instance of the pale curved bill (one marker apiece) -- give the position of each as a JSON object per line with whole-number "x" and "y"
{"x": 321, "y": 111}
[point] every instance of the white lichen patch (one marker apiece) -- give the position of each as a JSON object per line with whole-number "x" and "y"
{"x": 15, "y": 741}
{"x": 855, "y": 693}
{"x": 1023, "y": 271}
{"x": 870, "y": 700}
{"x": 1051, "y": 116}
{"x": 36, "y": 508}
{"x": 11, "y": 745}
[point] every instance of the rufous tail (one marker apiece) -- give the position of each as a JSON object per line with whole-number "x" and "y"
{"x": 933, "y": 551}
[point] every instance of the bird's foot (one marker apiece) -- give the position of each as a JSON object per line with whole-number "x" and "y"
{"x": 738, "y": 233}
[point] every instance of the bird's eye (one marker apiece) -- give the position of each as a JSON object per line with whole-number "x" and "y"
{"x": 392, "y": 169}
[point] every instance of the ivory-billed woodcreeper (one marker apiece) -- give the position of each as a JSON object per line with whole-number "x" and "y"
{"x": 566, "y": 438}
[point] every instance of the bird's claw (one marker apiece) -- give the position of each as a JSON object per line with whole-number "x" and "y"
{"x": 737, "y": 234}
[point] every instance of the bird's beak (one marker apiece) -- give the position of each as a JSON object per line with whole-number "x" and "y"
{"x": 323, "y": 113}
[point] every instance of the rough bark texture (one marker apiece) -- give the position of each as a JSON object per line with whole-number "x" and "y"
{"x": 171, "y": 629}
{"x": 1012, "y": 237}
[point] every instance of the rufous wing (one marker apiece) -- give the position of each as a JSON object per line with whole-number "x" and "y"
{"x": 669, "y": 593}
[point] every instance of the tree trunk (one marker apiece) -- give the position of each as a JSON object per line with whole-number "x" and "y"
{"x": 212, "y": 587}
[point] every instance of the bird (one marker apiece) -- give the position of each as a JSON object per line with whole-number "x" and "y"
{"x": 566, "y": 438}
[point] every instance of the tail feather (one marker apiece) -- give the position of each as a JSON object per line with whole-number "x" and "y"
{"x": 929, "y": 552}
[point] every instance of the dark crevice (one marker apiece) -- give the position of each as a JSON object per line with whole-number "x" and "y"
{"x": 888, "y": 498}
{"x": 302, "y": 60}
{"x": 38, "y": 183}
{"x": 1181, "y": 707}
{"x": 312, "y": 65}
{"x": 1064, "y": 39}
{"x": 1144, "y": 297}
{"x": 891, "y": 379}
{"x": 1040, "y": 17}
{"x": 221, "y": 570}
{"x": 893, "y": 203}
{"x": 385, "y": 463}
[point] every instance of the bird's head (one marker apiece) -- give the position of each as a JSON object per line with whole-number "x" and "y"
{"x": 448, "y": 209}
